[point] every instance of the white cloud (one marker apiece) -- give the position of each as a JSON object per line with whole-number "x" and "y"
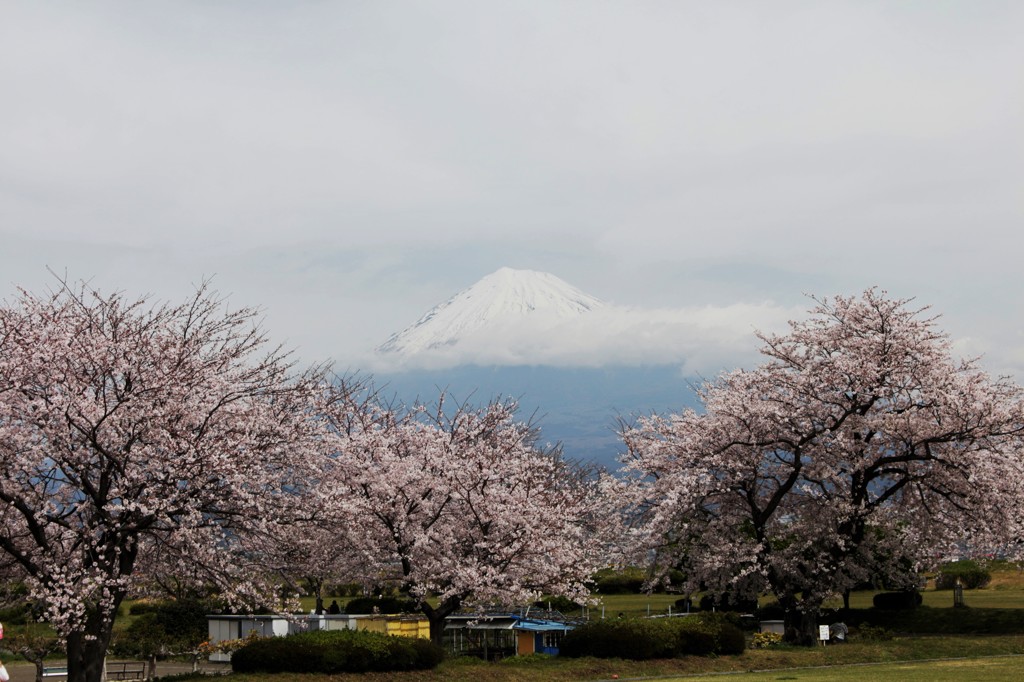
{"x": 701, "y": 340}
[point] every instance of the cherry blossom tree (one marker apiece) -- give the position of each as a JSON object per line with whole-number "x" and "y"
{"x": 461, "y": 506}
{"x": 312, "y": 554}
{"x": 134, "y": 434}
{"x": 859, "y": 441}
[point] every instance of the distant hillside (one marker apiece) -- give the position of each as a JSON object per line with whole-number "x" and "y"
{"x": 578, "y": 407}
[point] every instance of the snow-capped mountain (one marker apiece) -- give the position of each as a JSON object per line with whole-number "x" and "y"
{"x": 504, "y": 302}
{"x": 567, "y": 357}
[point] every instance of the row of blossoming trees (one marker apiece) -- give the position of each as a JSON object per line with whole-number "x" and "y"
{"x": 140, "y": 441}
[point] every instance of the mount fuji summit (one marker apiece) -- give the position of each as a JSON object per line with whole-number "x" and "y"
{"x": 524, "y": 334}
{"x": 506, "y": 305}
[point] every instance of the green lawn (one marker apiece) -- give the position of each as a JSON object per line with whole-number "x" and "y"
{"x": 785, "y": 663}
{"x": 982, "y": 669}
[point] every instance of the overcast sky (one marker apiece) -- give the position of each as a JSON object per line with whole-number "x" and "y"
{"x": 348, "y": 165}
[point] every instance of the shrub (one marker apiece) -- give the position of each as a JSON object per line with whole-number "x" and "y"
{"x": 16, "y": 614}
{"x": 647, "y": 638}
{"x": 729, "y": 638}
{"x": 897, "y": 601}
{"x": 971, "y": 575}
{"x": 164, "y": 627}
{"x": 772, "y": 610}
{"x": 336, "y": 651}
{"x": 625, "y": 581}
{"x": 874, "y": 633}
{"x": 563, "y": 604}
{"x": 184, "y": 677}
{"x": 685, "y": 605}
{"x": 142, "y": 606}
{"x": 765, "y": 640}
{"x": 363, "y": 605}
{"x": 633, "y": 638}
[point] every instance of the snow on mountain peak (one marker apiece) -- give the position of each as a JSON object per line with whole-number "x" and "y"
{"x": 504, "y": 300}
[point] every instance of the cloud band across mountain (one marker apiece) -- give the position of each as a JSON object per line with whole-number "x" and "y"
{"x": 517, "y": 317}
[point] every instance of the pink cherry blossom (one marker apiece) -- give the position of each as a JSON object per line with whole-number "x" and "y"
{"x": 860, "y": 447}
{"x": 139, "y": 438}
{"x": 459, "y": 504}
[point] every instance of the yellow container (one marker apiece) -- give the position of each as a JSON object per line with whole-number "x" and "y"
{"x": 410, "y": 627}
{"x": 402, "y": 626}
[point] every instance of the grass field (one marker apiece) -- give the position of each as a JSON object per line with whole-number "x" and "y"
{"x": 1003, "y": 669}
{"x": 783, "y": 663}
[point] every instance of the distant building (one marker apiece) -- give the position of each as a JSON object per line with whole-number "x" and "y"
{"x": 224, "y": 628}
{"x": 493, "y": 636}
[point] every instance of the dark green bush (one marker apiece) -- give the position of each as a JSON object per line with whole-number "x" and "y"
{"x": 897, "y": 601}
{"x": 362, "y": 605}
{"x": 625, "y": 581}
{"x": 684, "y": 605}
{"x": 185, "y": 618}
{"x": 563, "y": 604}
{"x": 874, "y": 633}
{"x": 637, "y": 639}
{"x": 772, "y": 610}
{"x": 729, "y": 637}
{"x": 144, "y": 606}
{"x": 633, "y": 580}
{"x": 164, "y": 627}
{"x": 337, "y": 651}
{"x": 971, "y": 575}
{"x": 925, "y": 620}
{"x": 18, "y": 613}
{"x": 647, "y": 638}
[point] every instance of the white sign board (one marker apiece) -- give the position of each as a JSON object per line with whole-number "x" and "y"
{"x": 823, "y": 633}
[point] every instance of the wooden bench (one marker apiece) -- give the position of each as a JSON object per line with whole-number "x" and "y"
{"x": 126, "y": 670}
{"x": 121, "y": 670}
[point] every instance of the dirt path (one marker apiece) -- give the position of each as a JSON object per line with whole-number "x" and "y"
{"x": 21, "y": 671}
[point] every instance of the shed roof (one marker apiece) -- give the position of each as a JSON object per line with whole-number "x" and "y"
{"x": 505, "y": 622}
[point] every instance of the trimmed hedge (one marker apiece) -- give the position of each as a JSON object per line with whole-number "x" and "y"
{"x": 563, "y": 604}
{"x": 925, "y": 620}
{"x": 646, "y": 638}
{"x": 632, "y": 580}
{"x": 336, "y": 651}
{"x": 897, "y": 601}
{"x": 972, "y": 576}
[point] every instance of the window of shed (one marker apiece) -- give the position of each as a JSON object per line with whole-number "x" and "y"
{"x": 552, "y": 640}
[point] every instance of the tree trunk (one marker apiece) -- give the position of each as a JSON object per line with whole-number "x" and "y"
{"x": 317, "y": 588}
{"x": 87, "y": 648}
{"x": 40, "y": 664}
{"x": 801, "y": 620}
{"x": 808, "y": 627}
{"x": 437, "y": 617}
{"x": 85, "y": 657}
